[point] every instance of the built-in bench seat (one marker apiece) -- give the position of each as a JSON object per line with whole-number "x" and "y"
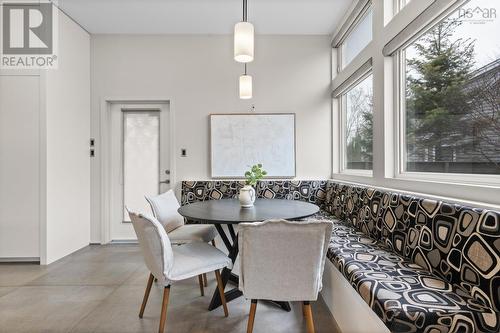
{"x": 421, "y": 265}
{"x": 404, "y": 295}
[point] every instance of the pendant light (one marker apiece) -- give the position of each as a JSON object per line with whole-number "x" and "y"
{"x": 243, "y": 38}
{"x": 245, "y": 85}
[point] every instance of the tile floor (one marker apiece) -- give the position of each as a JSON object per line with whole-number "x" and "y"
{"x": 100, "y": 289}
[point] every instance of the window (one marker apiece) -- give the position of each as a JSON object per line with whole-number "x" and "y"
{"x": 402, "y": 3}
{"x": 450, "y": 106}
{"x": 357, "y": 39}
{"x": 357, "y": 107}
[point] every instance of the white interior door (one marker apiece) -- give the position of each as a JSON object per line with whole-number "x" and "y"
{"x": 140, "y": 163}
{"x": 19, "y": 167}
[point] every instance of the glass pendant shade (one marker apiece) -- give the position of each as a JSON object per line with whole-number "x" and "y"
{"x": 243, "y": 42}
{"x": 245, "y": 86}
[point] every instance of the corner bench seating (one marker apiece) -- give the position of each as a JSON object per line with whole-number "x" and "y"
{"x": 420, "y": 264}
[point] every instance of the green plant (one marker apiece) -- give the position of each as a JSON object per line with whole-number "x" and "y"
{"x": 255, "y": 174}
{"x": 436, "y": 93}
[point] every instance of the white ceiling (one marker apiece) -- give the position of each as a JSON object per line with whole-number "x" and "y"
{"x": 205, "y": 16}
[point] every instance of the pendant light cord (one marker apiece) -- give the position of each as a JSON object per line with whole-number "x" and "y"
{"x": 245, "y": 11}
{"x": 245, "y": 20}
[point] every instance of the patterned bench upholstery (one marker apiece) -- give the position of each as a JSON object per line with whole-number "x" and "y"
{"x": 422, "y": 265}
{"x": 306, "y": 190}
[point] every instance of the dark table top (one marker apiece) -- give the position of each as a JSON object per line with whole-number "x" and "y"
{"x": 228, "y": 211}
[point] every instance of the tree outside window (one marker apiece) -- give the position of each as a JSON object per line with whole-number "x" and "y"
{"x": 452, "y": 94}
{"x": 358, "y": 125}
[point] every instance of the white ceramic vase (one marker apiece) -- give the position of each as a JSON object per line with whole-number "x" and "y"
{"x": 247, "y": 196}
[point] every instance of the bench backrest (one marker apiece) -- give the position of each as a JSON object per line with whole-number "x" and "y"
{"x": 458, "y": 243}
{"x": 305, "y": 190}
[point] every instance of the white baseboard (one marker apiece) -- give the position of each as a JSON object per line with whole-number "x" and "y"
{"x": 24, "y": 260}
{"x": 350, "y": 311}
{"x": 123, "y": 241}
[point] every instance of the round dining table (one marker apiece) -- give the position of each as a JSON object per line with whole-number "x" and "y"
{"x": 229, "y": 212}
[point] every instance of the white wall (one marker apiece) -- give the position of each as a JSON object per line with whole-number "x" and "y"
{"x": 67, "y": 144}
{"x": 199, "y": 76}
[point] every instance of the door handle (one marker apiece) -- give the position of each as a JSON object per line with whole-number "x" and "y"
{"x": 165, "y": 181}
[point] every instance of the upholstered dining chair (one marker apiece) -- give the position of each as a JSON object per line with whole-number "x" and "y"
{"x": 171, "y": 264}
{"x": 164, "y": 207}
{"x": 283, "y": 261}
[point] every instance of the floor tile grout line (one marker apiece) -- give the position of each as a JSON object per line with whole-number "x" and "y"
{"x": 92, "y": 310}
{"x": 102, "y": 302}
{"x": 14, "y": 288}
{"x": 30, "y": 282}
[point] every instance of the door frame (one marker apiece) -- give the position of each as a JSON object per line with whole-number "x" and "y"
{"x": 164, "y": 105}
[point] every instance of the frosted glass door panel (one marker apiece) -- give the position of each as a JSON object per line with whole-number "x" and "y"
{"x": 141, "y": 159}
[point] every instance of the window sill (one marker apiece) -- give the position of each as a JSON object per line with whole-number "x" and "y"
{"x": 357, "y": 172}
{"x": 492, "y": 181}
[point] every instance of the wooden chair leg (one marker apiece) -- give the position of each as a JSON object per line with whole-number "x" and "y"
{"x": 251, "y": 316}
{"x": 303, "y": 309}
{"x": 205, "y": 275}
{"x": 164, "y": 305}
{"x": 200, "y": 280}
{"x": 146, "y": 294}
{"x": 309, "y": 317}
{"x": 221, "y": 292}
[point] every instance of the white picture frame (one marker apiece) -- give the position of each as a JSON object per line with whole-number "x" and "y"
{"x": 240, "y": 140}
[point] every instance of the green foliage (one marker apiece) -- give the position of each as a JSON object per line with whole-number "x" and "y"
{"x": 255, "y": 174}
{"x": 436, "y": 98}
